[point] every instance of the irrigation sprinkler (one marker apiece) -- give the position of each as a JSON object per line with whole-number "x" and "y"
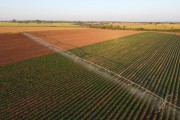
{"x": 163, "y": 104}
{"x": 102, "y": 71}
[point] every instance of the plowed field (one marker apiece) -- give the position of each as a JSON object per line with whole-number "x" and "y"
{"x": 16, "y": 47}
{"x": 69, "y": 39}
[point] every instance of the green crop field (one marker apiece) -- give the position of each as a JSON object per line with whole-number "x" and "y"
{"x": 54, "y": 87}
{"x": 149, "y": 59}
{"x": 36, "y": 24}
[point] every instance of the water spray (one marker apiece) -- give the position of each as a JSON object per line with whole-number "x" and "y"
{"x": 133, "y": 87}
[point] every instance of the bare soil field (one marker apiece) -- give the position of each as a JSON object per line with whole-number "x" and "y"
{"x": 30, "y": 29}
{"x": 69, "y": 39}
{"x": 16, "y": 47}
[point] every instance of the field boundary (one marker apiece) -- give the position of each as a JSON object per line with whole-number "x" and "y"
{"x": 99, "y": 69}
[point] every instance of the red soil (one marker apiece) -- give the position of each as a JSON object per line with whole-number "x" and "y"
{"x": 16, "y": 47}
{"x": 81, "y": 37}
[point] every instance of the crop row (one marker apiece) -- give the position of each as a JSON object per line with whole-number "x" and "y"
{"x": 152, "y": 62}
{"x": 57, "y": 88}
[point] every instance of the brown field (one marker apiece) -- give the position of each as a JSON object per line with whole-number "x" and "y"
{"x": 31, "y": 29}
{"x": 16, "y": 47}
{"x": 81, "y": 37}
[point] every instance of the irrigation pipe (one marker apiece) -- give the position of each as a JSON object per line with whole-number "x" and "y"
{"x": 96, "y": 67}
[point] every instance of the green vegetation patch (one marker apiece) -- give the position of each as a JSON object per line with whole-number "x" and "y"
{"x": 149, "y": 59}
{"x": 168, "y": 27}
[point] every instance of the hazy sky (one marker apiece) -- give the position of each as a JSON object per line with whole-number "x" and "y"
{"x": 97, "y": 10}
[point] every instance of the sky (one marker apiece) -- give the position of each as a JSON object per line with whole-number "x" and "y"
{"x": 91, "y": 10}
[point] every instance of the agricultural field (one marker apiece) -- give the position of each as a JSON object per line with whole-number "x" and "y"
{"x": 7, "y": 30}
{"x": 54, "y": 87}
{"x": 152, "y": 60}
{"x": 168, "y": 27}
{"x": 68, "y": 39}
{"x": 37, "y": 24}
{"x": 133, "y": 63}
{"x": 17, "y": 27}
{"x": 16, "y": 47}
{"x": 89, "y": 60}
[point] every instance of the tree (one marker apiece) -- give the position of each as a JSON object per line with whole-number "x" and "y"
{"x": 14, "y": 20}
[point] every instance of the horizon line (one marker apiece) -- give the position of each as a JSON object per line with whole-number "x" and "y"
{"x": 118, "y": 21}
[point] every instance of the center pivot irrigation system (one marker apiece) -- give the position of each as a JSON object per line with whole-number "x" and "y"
{"x": 105, "y": 72}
